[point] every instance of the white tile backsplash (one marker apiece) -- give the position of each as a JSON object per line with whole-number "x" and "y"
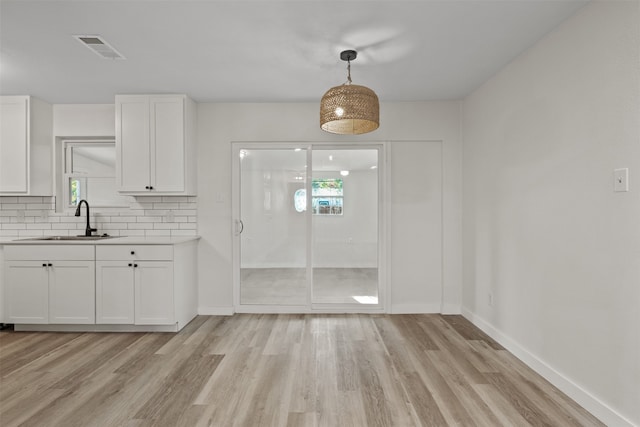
{"x": 26, "y": 216}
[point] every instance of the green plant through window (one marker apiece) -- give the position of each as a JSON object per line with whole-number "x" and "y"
{"x": 74, "y": 195}
{"x": 326, "y": 197}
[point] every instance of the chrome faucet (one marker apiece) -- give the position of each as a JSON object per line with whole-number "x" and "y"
{"x": 89, "y": 230}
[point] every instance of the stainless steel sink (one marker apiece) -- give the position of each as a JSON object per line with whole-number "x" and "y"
{"x": 71, "y": 238}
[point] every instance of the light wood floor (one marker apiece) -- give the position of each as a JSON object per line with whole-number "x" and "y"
{"x": 277, "y": 370}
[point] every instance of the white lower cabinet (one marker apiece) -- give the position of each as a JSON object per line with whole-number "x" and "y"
{"x": 27, "y": 292}
{"x": 114, "y": 293}
{"x": 72, "y": 292}
{"x": 154, "y": 293}
{"x": 135, "y": 284}
{"x": 42, "y": 287}
{"x": 139, "y": 292}
{"x": 110, "y": 286}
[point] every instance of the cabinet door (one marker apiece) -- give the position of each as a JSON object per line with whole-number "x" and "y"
{"x": 154, "y": 293}
{"x": 114, "y": 292}
{"x": 27, "y": 291}
{"x": 14, "y": 144}
{"x": 72, "y": 292}
{"x": 132, "y": 143}
{"x": 167, "y": 143}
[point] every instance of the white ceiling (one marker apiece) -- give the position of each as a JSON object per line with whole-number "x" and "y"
{"x": 265, "y": 51}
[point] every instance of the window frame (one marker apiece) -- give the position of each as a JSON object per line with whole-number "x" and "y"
{"x": 68, "y": 174}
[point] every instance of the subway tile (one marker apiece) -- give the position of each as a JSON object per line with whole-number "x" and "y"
{"x": 188, "y": 226}
{"x": 39, "y": 226}
{"x": 130, "y": 232}
{"x": 140, "y": 226}
{"x": 123, "y": 219}
{"x": 157, "y": 233}
{"x": 186, "y": 212}
{"x": 143, "y": 206}
{"x": 8, "y": 233}
{"x": 71, "y": 219}
{"x": 148, "y": 219}
{"x": 111, "y": 226}
{"x": 16, "y": 206}
{"x": 8, "y": 199}
{"x": 166, "y": 205}
{"x": 152, "y": 212}
{"x": 30, "y": 199}
{"x": 63, "y": 226}
{"x": 29, "y": 233}
{"x": 183, "y": 232}
{"x": 163, "y": 226}
{"x": 148, "y": 199}
{"x": 40, "y": 206}
{"x": 14, "y": 226}
{"x": 174, "y": 199}
{"x": 8, "y": 212}
{"x": 56, "y": 233}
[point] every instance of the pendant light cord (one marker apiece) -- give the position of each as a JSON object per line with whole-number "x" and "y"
{"x": 348, "y": 82}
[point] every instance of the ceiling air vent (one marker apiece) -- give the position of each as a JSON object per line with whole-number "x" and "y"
{"x": 99, "y": 47}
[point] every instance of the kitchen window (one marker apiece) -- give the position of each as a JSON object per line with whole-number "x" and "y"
{"x": 90, "y": 173}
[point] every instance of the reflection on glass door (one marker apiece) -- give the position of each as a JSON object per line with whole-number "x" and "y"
{"x": 344, "y": 202}
{"x": 273, "y": 239}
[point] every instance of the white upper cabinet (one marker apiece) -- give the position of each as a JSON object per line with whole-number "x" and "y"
{"x": 26, "y": 144}
{"x": 155, "y": 145}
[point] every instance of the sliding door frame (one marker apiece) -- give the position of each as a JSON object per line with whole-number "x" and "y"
{"x": 383, "y": 228}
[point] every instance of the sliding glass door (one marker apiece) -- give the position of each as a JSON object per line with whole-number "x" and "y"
{"x": 272, "y": 230}
{"x": 344, "y": 207}
{"x": 307, "y": 227}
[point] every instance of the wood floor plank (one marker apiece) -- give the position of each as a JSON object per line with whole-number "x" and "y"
{"x": 278, "y": 370}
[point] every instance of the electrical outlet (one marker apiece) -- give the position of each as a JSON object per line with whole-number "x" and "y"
{"x": 170, "y": 217}
{"x": 20, "y": 216}
{"x": 490, "y": 299}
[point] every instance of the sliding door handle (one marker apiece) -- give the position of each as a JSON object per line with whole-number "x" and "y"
{"x": 239, "y": 227}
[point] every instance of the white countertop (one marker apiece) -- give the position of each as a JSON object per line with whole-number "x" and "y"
{"x": 123, "y": 240}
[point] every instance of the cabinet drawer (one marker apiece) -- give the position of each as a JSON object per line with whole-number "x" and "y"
{"x": 49, "y": 252}
{"x": 134, "y": 252}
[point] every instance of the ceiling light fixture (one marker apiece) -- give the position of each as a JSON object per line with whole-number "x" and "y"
{"x": 349, "y": 109}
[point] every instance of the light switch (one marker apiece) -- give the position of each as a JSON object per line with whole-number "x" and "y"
{"x": 621, "y": 179}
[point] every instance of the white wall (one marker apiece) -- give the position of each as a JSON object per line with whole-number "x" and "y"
{"x": 84, "y": 120}
{"x": 220, "y": 124}
{"x": 544, "y": 233}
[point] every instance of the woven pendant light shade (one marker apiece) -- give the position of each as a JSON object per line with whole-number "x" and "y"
{"x": 349, "y": 109}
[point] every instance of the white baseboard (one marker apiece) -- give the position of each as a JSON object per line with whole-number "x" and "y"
{"x": 585, "y": 399}
{"x": 415, "y": 308}
{"x": 216, "y": 311}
